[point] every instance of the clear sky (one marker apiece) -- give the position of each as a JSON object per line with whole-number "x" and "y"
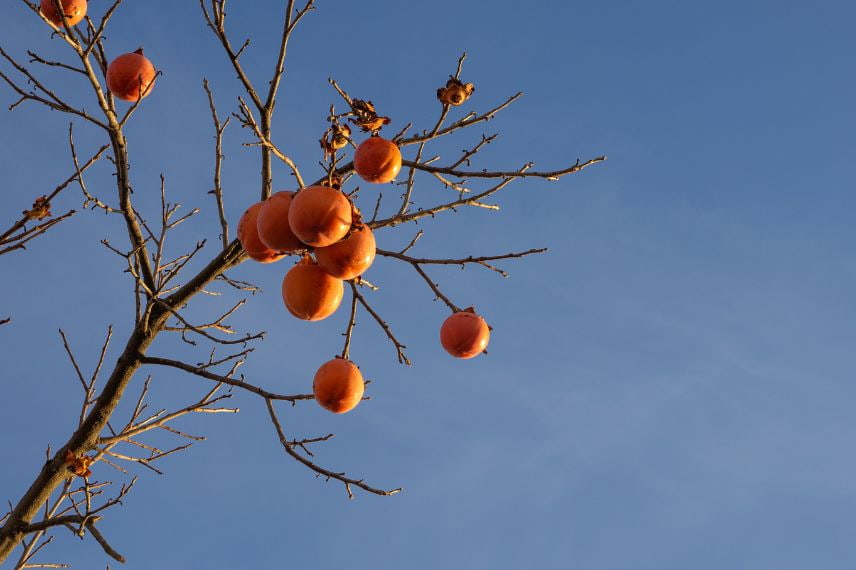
{"x": 670, "y": 387}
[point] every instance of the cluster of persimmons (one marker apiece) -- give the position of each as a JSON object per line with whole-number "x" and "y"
{"x": 323, "y": 220}
{"x": 319, "y": 220}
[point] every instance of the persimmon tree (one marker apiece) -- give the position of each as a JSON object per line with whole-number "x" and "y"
{"x": 92, "y": 471}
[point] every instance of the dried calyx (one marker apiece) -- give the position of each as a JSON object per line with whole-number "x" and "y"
{"x": 41, "y": 209}
{"x": 78, "y": 465}
{"x": 366, "y": 117}
{"x": 455, "y": 92}
{"x": 335, "y": 138}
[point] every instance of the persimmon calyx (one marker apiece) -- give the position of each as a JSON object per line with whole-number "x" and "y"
{"x": 455, "y": 92}
{"x": 366, "y": 117}
{"x": 41, "y": 209}
{"x": 335, "y": 138}
{"x": 79, "y": 465}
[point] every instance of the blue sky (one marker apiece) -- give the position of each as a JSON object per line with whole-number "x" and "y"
{"x": 671, "y": 386}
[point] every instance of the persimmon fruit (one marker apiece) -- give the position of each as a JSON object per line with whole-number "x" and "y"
{"x": 349, "y": 257}
{"x": 309, "y": 292}
{"x": 131, "y": 76}
{"x": 248, "y": 235}
{"x": 74, "y": 11}
{"x": 338, "y": 385}
{"x": 377, "y": 160}
{"x": 464, "y": 334}
{"x": 272, "y": 223}
{"x": 319, "y": 215}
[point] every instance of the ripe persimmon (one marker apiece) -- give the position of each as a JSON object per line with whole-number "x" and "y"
{"x": 464, "y": 334}
{"x": 309, "y": 292}
{"x": 272, "y": 223}
{"x": 338, "y": 385}
{"x": 74, "y": 11}
{"x": 248, "y": 235}
{"x": 349, "y": 257}
{"x": 319, "y": 215}
{"x": 377, "y": 160}
{"x": 131, "y": 76}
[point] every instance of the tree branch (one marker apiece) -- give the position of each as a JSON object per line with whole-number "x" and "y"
{"x": 201, "y": 372}
{"x": 289, "y": 447}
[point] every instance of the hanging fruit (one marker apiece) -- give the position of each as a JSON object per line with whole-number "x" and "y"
{"x": 338, "y": 385}
{"x": 131, "y": 76}
{"x": 272, "y": 223}
{"x": 465, "y": 334}
{"x": 377, "y": 160}
{"x": 319, "y": 215}
{"x": 309, "y": 292}
{"x": 248, "y": 235}
{"x": 349, "y": 257}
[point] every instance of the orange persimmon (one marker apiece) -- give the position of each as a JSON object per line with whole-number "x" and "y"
{"x": 338, "y": 385}
{"x": 319, "y": 215}
{"x": 464, "y": 334}
{"x": 272, "y": 223}
{"x": 74, "y": 10}
{"x": 131, "y": 76}
{"x": 377, "y": 160}
{"x": 349, "y": 257}
{"x": 309, "y": 292}
{"x": 248, "y": 235}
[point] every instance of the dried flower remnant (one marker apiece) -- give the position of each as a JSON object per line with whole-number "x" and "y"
{"x": 78, "y": 465}
{"x": 455, "y": 92}
{"x": 41, "y": 209}
{"x": 366, "y": 117}
{"x": 335, "y": 138}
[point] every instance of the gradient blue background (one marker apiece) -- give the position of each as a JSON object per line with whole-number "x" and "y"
{"x": 672, "y": 386}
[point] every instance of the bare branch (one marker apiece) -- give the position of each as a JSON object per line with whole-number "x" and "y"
{"x": 217, "y": 325}
{"x": 248, "y": 121}
{"x": 289, "y": 447}
{"x": 435, "y": 288}
{"x": 219, "y": 127}
{"x": 291, "y": 20}
{"x": 73, "y": 362}
{"x": 109, "y": 550}
{"x": 18, "y": 240}
{"x": 56, "y": 521}
{"x": 35, "y": 58}
{"x": 352, "y": 321}
{"x": 550, "y": 175}
{"x": 399, "y": 348}
{"x": 470, "y": 200}
{"x": 463, "y": 123}
{"x": 201, "y": 406}
{"x": 48, "y": 99}
{"x": 239, "y": 383}
{"x": 405, "y": 201}
{"x": 481, "y": 260}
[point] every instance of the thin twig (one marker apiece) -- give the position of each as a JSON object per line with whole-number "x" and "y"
{"x": 239, "y": 383}
{"x": 219, "y": 127}
{"x": 399, "y": 347}
{"x": 352, "y": 321}
{"x": 289, "y": 447}
{"x": 480, "y": 260}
